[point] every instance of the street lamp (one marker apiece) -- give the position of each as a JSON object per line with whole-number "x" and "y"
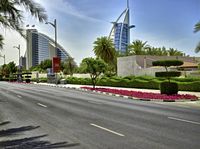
{"x": 18, "y": 47}
{"x": 4, "y": 57}
{"x": 19, "y": 75}
{"x": 54, "y": 24}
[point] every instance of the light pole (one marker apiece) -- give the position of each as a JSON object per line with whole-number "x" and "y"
{"x": 18, "y": 47}
{"x": 19, "y": 75}
{"x": 4, "y": 57}
{"x": 54, "y": 24}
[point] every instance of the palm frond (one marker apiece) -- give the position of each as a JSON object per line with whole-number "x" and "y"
{"x": 197, "y": 27}
{"x": 34, "y": 8}
{"x": 197, "y": 49}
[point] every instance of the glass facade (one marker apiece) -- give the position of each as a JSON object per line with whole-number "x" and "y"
{"x": 40, "y": 49}
{"x": 121, "y": 36}
{"x": 43, "y": 49}
{"x": 62, "y": 54}
{"x": 34, "y": 49}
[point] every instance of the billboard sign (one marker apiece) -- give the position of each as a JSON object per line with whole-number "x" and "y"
{"x": 56, "y": 64}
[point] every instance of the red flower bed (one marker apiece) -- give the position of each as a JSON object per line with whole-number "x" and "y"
{"x": 145, "y": 95}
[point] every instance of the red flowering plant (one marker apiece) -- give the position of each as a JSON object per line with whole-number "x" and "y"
{"x": 145, "y": 95}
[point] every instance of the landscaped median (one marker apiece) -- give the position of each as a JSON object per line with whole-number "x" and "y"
{"x": 145, "y": 95}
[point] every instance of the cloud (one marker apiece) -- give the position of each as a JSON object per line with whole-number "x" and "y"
{"x": 66, "y": 8}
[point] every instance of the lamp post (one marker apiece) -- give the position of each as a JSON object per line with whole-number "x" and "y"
{"x": 54, "y": 24}
{"x": 4, "y": 57}
{"x": 19, "y": 75}
{"x": 18, "y": 47}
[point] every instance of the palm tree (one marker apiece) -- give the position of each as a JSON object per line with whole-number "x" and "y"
{"x": 104, "y": 49}
{"x": 196, "y": 29}
{"x": 1, "y": 41}
{"x": 12, "y": 17}
{"x": 138, "y": 47}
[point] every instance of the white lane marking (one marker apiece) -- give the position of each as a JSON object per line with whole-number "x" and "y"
{"x": 42, "y": 105}
{"x": 187, "y": 121}
{"x": 19, "y": 96}
{"x": 94, "y": 102}
{"x": 103, "y": 128}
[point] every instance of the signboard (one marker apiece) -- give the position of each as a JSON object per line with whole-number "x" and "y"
{"x": 56, "y": 64}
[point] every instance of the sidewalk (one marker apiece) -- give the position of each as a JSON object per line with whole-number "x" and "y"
{"x": 131, "y": 89}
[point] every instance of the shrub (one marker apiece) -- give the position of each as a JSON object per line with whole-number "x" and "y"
{"x": 164, "y": 88}
{"x": 167, "y": 63}
{"x": 168, "y": 74}
{"x": 188, "y": 79}
{"x": 43, "y": 80}
{"x": 189, "y": 86}
{"x": 129, "y": 77}
{"x": 147, "y": 78}
{"x": 168, "y": 88}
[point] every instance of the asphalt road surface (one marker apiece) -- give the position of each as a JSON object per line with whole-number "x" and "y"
{"x": 42, "y": 117}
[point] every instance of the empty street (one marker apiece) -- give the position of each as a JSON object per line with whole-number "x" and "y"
{"x": 87, "y": 120}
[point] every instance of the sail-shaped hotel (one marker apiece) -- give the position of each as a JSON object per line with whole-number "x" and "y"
{"x": 120, "y": 32}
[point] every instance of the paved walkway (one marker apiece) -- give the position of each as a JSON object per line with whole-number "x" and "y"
{"x": 132, "y": 89}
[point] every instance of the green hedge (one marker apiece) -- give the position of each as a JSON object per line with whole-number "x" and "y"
{"x": 189, "y": 86}
{"x": 138, "y": 82}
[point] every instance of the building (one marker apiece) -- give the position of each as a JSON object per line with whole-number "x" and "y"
{"x": 22, "y": 62}
{"x": 120, "y": 32}
{"x": 41, "y": 47}
{"x": 139, "y": 65}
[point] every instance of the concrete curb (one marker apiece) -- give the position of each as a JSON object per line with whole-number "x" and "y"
{"x": 116, "y": 95}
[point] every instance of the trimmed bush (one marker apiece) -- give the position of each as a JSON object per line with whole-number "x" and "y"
{"x": 168, "y": 88}
{"x": 167, "y": 63}
{"x": 164, "y": 88}
{"x": 168, "y": 74}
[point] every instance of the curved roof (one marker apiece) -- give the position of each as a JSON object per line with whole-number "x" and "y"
{"x": 58, "y": 45}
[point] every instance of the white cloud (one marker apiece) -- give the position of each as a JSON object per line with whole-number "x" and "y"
{"x": 66, "y": 8}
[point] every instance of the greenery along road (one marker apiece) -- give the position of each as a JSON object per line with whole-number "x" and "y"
{"x": 147, "y": 82}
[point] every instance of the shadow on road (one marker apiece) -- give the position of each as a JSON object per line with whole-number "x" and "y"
{"x": 34, "y": 142}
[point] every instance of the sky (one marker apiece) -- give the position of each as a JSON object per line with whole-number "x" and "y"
{"x": 168, "y": 23}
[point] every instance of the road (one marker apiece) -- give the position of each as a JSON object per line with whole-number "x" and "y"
{"x": 52, "y": 117}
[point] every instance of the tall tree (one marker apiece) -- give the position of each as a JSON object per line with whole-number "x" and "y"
{"x": 46, "y": 64}
{"x": 197, "y": 29}
{"x": 104, "y": 49}
{"x": 69, "y": 66}
{"x": 174, "y": 52}
{"x": 11, "y": 16}
{"x": 138, "y": 47}
{"x": 95, "y": 67}
{"x": 12, "y": 67}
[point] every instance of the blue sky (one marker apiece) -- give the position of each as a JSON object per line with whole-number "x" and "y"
{"x": 166, "y": 23}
